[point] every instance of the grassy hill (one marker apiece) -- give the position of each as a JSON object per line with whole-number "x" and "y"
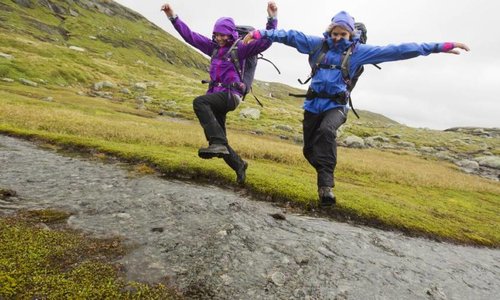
{"x": 95, "y": 76}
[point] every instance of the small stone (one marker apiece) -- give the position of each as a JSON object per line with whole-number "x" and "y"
{"x": 278, "y": 278}
{"x": 43, "y": 226}
{"x": 141, "y": 86}
{"x": 75, "y": 48}
{"x": 250, "y": 113}
{"x": 28, "y": 82}
{"x": 226, "y": 279}
{"x": 122, "y": 216}
{"x": 278, "y": 216}
{"x": 222, "y": 233}
{"x": 6, "y": 56}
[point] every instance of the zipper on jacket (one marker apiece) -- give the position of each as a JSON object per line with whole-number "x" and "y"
{"x": 217, "y": 66}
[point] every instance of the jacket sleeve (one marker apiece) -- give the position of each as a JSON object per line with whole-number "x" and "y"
{"x": 194, "y": 39}
{"x": 368, "y": 54}
{"x": 303, "y": 43}
{"x": 257, "y": 46}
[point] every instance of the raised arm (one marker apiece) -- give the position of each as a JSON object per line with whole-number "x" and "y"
{"x": 272, "y": 15}
{"x": 293, "y": 38}
{"x": 246, "y": 50}
{"x": 201, "y": 42}
{"x": 368, "y": 54}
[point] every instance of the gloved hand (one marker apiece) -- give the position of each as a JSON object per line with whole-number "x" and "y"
{"x": 253, "y": 35}
{"x": 167, "y": 9}
{"x": 450, "y": 48}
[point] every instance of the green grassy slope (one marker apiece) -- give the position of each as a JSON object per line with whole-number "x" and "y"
{"x": 146, "y": 71}
{"x": 393, "y": 188}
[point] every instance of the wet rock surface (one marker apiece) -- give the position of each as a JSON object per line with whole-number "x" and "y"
{"x": 217, "y": 243}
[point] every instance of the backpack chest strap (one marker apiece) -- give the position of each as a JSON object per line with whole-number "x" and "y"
{"x": 239, "y": 86}
{"x": 339, "y": 98}
{"x": 329, "y": 67}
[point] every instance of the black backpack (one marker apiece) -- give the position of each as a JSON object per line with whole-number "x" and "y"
{"x": 246, "y": 73}
{"x": 344, "y": 67}
{"x": 351, "y": 82}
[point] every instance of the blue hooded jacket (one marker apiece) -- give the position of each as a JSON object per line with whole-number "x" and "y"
{"x": 331, "y": 81}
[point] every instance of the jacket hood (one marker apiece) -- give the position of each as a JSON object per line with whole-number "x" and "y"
{"x": 344, "y": 20}
{"x": 225, "y": 25}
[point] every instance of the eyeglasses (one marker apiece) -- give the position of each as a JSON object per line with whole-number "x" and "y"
{"x": 342, "y": 34}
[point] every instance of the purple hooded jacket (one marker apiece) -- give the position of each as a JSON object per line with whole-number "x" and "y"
{"x": 222, "y": 69}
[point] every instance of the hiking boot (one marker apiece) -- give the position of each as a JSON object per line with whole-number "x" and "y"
{"x": 213, "y": 150}
{"x": 241, "y": 173}
{"x": 326, "y": 196}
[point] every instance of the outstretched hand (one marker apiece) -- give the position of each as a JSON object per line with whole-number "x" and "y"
{"x": 167, "y": 9}
{"x": 248, "y": 38}
{"x": 272, "y": 9}
{"x": 459, "y": 46}
{"x": 251, "y": 36}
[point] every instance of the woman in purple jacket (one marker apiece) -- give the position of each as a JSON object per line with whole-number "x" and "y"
{"x": 225, "y": 89}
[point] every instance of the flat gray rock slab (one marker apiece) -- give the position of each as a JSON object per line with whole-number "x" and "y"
{"x": 217, "y": 243}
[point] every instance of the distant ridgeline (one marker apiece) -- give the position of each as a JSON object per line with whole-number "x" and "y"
{"x": 477, "y": 131}
{"x": 77, "y": 22}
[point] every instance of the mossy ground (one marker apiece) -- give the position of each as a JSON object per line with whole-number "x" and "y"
{"x": 41, "y": 259}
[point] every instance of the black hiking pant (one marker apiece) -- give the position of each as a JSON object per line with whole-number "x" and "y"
{"x": 211, "y": 110}
{"x": 320, "y": 142}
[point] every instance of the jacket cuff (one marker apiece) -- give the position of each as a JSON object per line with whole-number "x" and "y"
{"x": 447, "y": 47}
{"x": 257, "y": 34}
{"x": 173, "y": 18}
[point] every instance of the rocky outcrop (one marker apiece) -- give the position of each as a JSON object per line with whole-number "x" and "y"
{"x": 353, "y": 141}
{"x": 481, "y": 163}
{"x": 477, "y": 131}
{"x": 250, "y": 113}
{"x": 489, "y": 161}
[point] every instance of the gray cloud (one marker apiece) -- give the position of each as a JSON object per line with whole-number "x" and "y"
{"x": 438, "y": 91}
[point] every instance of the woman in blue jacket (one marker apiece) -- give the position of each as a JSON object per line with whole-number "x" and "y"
{"x": 325, "y": 106}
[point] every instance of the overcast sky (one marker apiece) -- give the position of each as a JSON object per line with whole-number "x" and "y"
{"x": 438, "y": 91}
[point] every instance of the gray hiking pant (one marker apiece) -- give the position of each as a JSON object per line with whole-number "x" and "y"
{"x": 320, "y": 142}
{"x": 211, "y": 110}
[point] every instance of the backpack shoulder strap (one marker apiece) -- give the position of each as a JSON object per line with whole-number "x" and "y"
{"x": 350, "y": 82}
{"x": 233, "y": 56}
{"x": 323, "y": 48}
{"x": 319, "y": 59}
{"x": 214, "y": 53}
{"x": 236, "y": 62}
{"x": 345, "y": 65}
